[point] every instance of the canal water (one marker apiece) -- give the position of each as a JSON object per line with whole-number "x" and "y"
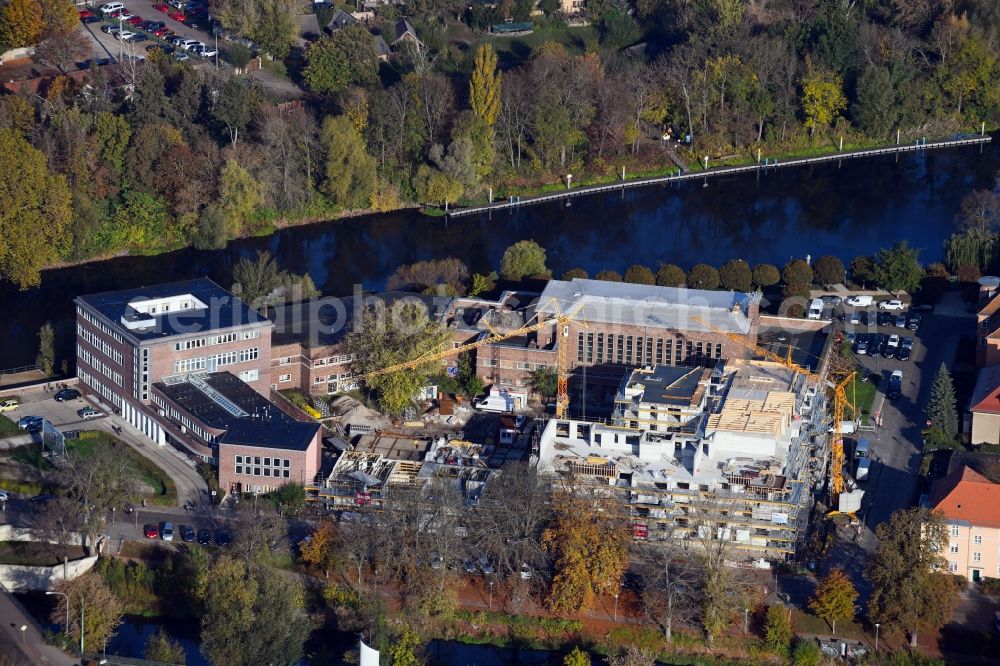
{"x": 845, "y": 209}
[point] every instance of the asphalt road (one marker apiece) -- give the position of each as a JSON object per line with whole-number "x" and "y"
{"x": 897, "y": 444}
{"x": 180, "y": 468}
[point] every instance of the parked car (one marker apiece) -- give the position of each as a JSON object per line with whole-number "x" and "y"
{"x": 222, "y": 537}
{"x": 906, "y": 342}
{"x": 189, "y": 44}
{"x": 207, "y": 52}
{"x": 830, "y": 299}
{"x": 163, "y": 33}
{"x": 110, "y": 29}
{"x": 134, "y": 20}
{"x": 526, "y": 572}
{"x": 177, "y": 16}
{"x": 66, "y": 394}
{"x": 162, "y": 7}
{"x": 109, "y": 7}
{"x": 895, "y": 385}
{"x": 84, "y": 13}
{"x": 88, "y": 413}
{"x": 26, "y": 421}
{"x": 135, "y": 39}
{"x": 485, "y": 566}
{"x": 903, "y": 353}
{"x": 167, "y": 533}
{"x": 180, "y": 56}
{"x": 124, "y": 35}
{"x": 43, "y": 498}
{"x": 901, "y": 321}
{"x": 91, "y": 19}
{"x": 437, "y": 563}
{"x": 470, "y": 567}
{"x": 885, "y": 319}
{"x": 861, "y": 345}
{"x": 151, "y": 531}
{"x": 913, "y": 321}
{"x": 865, "y": 317}
{"x": 855, "y": 318}
{"x": 894, "y": 304}
{"x": 8, "y": 404}
{"x": 187, "y": 533}
{"x": 204, "y": 537}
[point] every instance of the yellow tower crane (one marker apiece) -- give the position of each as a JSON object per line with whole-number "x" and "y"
{"x": 560, "y": 320}
{"x": 839, "y": 379}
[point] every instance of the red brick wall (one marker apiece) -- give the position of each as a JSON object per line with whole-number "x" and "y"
{"x": 162, "y": 356}
{"x": 303, "y": 465}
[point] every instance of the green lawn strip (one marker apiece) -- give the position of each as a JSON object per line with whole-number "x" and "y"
{"x": 165, "y": 492}
{"x": 862, "y": 395}
{"x": 8, "y": 427}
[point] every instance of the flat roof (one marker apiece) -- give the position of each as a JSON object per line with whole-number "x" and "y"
{"x": 224, "y": 310}
{"x": 648, "y": 305}
{"x": 667, "y": 384}
{"x": 327, "y": 320}
{"x": 256, "y": 421}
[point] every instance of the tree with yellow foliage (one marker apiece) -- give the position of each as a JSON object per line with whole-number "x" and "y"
{"x": 484, "y": 87}
{"x": 822, "y": 97}
{"x": 21, "y": 23}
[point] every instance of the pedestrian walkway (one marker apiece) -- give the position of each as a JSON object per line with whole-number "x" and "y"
{"x": 26, "y": 646}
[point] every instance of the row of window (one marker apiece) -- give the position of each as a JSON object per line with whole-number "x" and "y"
{"x": 95, "y": 361}
{"x": 182, "y": 419}
{"x": 334, "y": 360}
{"x": 953, "y": 566}
{"x": 211, "y": 363}
{"x": 107, "y": 330}
{"x": 640, "y": 350}
{"x": 99, "y": 386}
{"x": 250, "y": 375}
{"x": 100, "y": 343}
{"x": 222, "y": 338}
{"x": 263, "y": 471}
{"x": 266, "y": 461}
{"x": 520, "y": 365}
{"x": 331, "y": 378}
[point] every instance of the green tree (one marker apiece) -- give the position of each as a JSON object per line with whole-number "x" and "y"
{"x": 670, "y": 275}
{"x": 433, "y": 186}
{"x": 639, "y": 274}
{"x": 829, "y": 270}
{"x": 252, "y": 616}
{"x": 405, "y": 649}
{"x": 140, "y": 222}
{"x": 255, "y": 279}
{"x": 910, "y": 592}
{"x": 20, "y": 24}
{"x": 36, "y": 212}
{"x": 807, "y": 653}
{"x": 273, "y": 25}
{"x": 942, "y": 415}
{"x": 576, "y": 657}
{"x": 240, "y": 197}
{"x": 735, "y": 274}
{"x": 234, "y": 106}
{"x": 112, "y": 133}
{"x": 574, "y": 273}
{"x": 875, "y": 108}
{"x": 102, "y": 610}
{"x": 470, "y": 382}
{"x": 703, "y": 276}
{"x": 289, "y": 498}
{"x": 778, "y": 629}
{"x": 898, "y": 268}
{"x": 765, "y": 275}
{"x": 822, "y": 97}
{"x": 350, "y": 170}
{"x": 797, "y": 271}
{"x": 544, "y": 381}
{"x": 484, "y": 86}
{"x": 834, "y": 598}
{"x": 522, "y": 259}
{"x": 384, "y": 337}
{"x": 161, "y": 648}
{"x": 46, "y": 359}
{"x": 864, "y": 271}
{"x": 347, "y": 58}
{"x": 210, "y": 229}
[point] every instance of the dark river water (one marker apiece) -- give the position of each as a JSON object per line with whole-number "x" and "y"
{"x": 845, "y": 209}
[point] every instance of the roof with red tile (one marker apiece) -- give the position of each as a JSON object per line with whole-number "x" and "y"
{"x": 968, "y": 496}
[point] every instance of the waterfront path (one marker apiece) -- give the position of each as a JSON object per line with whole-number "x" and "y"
{"x": 765, "y": 165}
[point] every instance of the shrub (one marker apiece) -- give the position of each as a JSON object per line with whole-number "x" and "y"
{"x": 829, "y": 270}
{"x": 797, "y": 271}
{"x": 608, "y": 276}
{"x": 575, "y": 273}
{"x": 807, "y": 653}
{"x": 736, "y": 275}
{"x": 703, "y": 276}
{"x": 670, "y": 275}
{"x": 765, "y": 275}
{"x": 639, "y": 274}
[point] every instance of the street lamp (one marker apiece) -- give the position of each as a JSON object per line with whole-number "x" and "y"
{"x": 24, "y": 628}
{"x": 746, "y": 621}
{"x": 616, "y": 606}
{"x": 62, "y": 594}
{"x": 876, "y": 636}
{"x": 569, "y": 181}
{"x": 491, "y": 594}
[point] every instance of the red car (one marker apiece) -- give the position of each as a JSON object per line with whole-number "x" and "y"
{"x": 163, "y": 33}
{"x": 151, "y": 531}
{"x": 135, "y": 20}
{"x": 85, "y": 14}
{"x": 177, "y": 16}
{"x": 162, "y": 8}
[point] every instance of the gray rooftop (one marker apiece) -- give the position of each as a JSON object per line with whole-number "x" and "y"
{"x": 647, "y": 305}
{"x": 667, "y": 384}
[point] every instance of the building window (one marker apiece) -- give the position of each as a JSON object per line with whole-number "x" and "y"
{"x": 239, "y": 469}
{"x": 256, "y": 471}
{"x": 977, "y": 539}
{"x": 267, "y": 471}
{"x": 953, "y": 566}
{"x": 579, "y": 347}
{"x": 659, "y": 351}
{"x": 954, "y": 549}
{"x": 288, "y": 463}
{"x": 649, "y": 350}
{"x": 267, "y": 461}
{"x": 628, "y": 349}
{"x": 285, "y": 378}
{"x": 954, "y": 530}
{"x": 600, "y": 347}
{"x": 590, "y": 348}
{"x": 286, "y": 360}
{"x": 620, "y": 356}
{"x": 977, "y": 557}
{"x": 286, "y": 474}
{"x": 250, "y": 375}
{"x": 638, "y": 350}
{"x": 239, "y": 460}
{"x": 256, "y": 460}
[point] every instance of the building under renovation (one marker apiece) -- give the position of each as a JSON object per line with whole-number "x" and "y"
{"x": 700, "y": 454}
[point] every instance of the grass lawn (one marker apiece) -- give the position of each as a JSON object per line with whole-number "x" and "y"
{"x": 35, "y": 554}
{"x": 809, "y": 624}
{"x": 8, "y": 427}
{"x": 164, "y": 491}
{"x": 862, "y": 394}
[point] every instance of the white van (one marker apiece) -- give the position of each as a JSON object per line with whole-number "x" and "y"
{"x": 816, "y": 308}
{"x": 859, "y": 301}
{"x": 109, "y": 7}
